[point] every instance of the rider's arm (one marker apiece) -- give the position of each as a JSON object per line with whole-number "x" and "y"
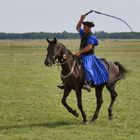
{"x": 79, "y": 24}
{"x": 84, "y": 50}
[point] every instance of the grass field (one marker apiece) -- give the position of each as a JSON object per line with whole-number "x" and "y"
{"x": 30, "y": 103}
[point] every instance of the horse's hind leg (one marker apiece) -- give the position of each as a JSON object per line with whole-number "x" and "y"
{"x": 80, "y": 106}
{"x": 113, "y": 93}
{"x": 99, "y": 101}
{"x": 66, "y": 93}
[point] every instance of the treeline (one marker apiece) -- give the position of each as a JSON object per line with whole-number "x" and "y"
{"x": 121, "y": 35}
{"x": 67, "y": 35}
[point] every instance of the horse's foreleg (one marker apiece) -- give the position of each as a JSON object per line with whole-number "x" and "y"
{"x": 66, "y": 93}
{"x": 113, "y": 97}
{"x": 99, "y": 101}
{"x": 80, "y": 106}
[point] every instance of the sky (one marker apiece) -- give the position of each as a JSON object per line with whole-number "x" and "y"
{"x": 20, "y": 16}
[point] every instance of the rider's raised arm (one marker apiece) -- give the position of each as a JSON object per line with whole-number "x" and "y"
{"x": 79, "y": 24}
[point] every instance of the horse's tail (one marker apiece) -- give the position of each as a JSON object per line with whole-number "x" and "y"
{"x": 122, "y": 74}
{"x": 122, "y": 69}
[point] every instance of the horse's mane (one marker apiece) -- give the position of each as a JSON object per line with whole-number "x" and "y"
{"x": 67, "y": 50}
{"x": 78, "y": 59}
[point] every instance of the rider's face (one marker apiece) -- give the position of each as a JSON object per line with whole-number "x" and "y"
{"x": 86, "y": 29}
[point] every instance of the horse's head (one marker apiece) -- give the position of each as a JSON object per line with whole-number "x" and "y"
{"x": 53, "y": 52}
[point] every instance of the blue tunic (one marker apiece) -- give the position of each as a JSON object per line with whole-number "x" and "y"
{"x": 95, "y": 70}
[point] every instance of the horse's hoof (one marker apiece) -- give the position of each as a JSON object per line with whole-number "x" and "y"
{"x": 110, "y": 118}
{"x": 85, "y": 123}
{"x": 92, "y": 121}
{"x": 76, "y": 114}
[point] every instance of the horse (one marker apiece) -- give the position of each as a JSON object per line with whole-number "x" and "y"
{"x": 72, "y": 75}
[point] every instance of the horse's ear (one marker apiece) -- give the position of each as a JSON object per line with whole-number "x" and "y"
{"x": 54, "y": 40}
{"x": 48, "y": 40}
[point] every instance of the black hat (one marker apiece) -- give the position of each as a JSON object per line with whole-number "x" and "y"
{"x": 88, "y": 23}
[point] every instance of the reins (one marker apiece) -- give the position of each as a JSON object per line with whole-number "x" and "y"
{"x": 58, "y": 63}
{"x": 66, "y": 76}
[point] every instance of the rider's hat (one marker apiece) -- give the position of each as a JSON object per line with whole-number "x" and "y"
{"x": 89, "y": 23}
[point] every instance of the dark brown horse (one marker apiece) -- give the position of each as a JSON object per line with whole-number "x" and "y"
{"x": 72, "y": 75}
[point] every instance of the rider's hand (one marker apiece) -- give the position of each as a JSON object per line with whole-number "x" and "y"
{"x": 83, "y": 17}
{"x": 77, "y": 54}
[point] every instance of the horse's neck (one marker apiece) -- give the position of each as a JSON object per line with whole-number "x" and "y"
{"x": 68, "y": 63}
{"x": 72, "y": 65}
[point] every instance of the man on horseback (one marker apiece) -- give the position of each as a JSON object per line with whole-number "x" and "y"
{"x": 94, "y": 69}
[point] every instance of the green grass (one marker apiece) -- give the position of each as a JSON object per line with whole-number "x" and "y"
{"x": 30, "y": 103}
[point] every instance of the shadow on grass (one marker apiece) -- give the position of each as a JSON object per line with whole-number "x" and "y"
{"x": 45, "y": 125}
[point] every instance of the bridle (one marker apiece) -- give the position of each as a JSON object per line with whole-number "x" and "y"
{"x": 58, "y": 63}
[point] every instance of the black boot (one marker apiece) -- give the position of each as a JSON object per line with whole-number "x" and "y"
{"x": 86, "y": 87}
{"x": 61, "y": 86}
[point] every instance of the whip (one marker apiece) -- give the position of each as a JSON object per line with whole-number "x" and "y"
{"x": 97, "y": 12}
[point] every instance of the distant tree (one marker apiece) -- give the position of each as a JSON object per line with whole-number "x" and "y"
{"x": 67, "y": 35}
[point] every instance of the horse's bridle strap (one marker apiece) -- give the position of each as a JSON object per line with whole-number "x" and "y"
{"x": 59, "y": 49}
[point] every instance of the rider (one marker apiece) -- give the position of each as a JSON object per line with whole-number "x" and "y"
{"x": 95, "y": 71}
